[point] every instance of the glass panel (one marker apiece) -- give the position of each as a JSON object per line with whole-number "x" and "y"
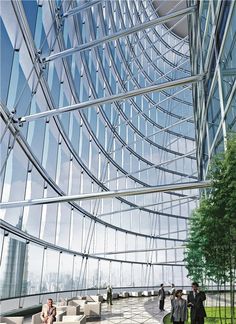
{"x": 77, "y": 275}
{"x": 50, "y": 271}
{"x": 92, "y": 274}
{"x": 76, "y": 231}
{"x": 63, "y": 225}
{"x": 6, "y": 59}
{"x": 227, "y": 61}
{"x": 33, "y": 268}
{"x": 63, "y": 160}
{"x": 14, "y": 184}
{"x": 126, "y": 275}
{"x": 50, "y": 148}
{"x": 35, "y": 135}
{"x": 214, "y": 114}
{"x": 65, "y": 274}
{"x": 49, "y": 220}
{"x": 13, "y": 274}
{"x": 32, "y": 214}
{"x": 104, "y": 274}
{"x": 31, "y": 9}
{"x": 231, "y": 116}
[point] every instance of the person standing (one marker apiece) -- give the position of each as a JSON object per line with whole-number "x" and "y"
{"x": 162, "y": 296}
{"x": 172, "y": 293}
{"x": 195, "y": 301}
{"x": 109, "y": 295}
{"x": 179, "y": 310}
{"x": 48, "y": 314}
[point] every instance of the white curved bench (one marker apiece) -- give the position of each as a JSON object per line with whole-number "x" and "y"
{"x": 70, "y": 310}
{"x": 12, "y": 319}
{"x": 78, "y": 302}
{"x": 78, "y": 319}
{"x": 92, "y": 309}
{"x": 136, "y": 294}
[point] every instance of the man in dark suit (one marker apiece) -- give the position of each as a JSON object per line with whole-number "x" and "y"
{"x": 162, "y": 296}
{"x": 195, "y": 301}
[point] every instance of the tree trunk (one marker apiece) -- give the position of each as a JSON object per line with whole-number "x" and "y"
{"x": 231, "y": 297}
{"x": 231, "y": 277}
{"x": 225, "y": 294}
{"x": 219, "y": 303}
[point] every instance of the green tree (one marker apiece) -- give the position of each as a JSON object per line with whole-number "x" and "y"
{"x": 212, "y": 239}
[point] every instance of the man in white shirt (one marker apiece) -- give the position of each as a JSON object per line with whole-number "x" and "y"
{"x": 48, "y": 314}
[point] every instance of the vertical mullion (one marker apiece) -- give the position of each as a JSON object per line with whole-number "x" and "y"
{"x": 72, "y": 275}
{"x": 41, "y": 277}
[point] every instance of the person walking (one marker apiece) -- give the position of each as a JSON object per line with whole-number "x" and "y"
{"x": 195, "y": 302}
{"x": 162, "y": 296}
{"x": 109, "y": 295}
{"x": 179, "y": 310}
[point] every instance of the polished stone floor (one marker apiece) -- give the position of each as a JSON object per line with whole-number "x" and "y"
{"x": 133, "y": 311}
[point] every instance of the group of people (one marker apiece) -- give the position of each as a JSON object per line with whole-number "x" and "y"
{"x": 179, "y": 305}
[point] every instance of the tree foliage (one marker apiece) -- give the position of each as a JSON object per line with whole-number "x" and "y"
{"x": 211, "y": 248}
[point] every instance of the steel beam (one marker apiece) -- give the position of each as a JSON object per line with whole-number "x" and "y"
{"x": 141, "y": 207}
{"x": 122, "y": 33}
{"x": 108, "y": 194}
{"x": 113, "y": 98}
{"x": 139, "y": 250}
{"x": 76, "y": 10}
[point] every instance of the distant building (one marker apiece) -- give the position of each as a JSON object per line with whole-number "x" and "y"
{"x": 15, "y": 269}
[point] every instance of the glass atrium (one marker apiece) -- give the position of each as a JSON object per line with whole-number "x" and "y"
{"x": 111, "y": 112}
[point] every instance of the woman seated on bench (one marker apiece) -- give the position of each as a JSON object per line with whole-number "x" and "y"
{"x": 48, "y": 314}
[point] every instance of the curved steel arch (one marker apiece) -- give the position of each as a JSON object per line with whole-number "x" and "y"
{"x": 124, "y": 33}
{"x": 114, "y": 132}
{"x": 138, "y": 156}
{"x": 154, "y": 48}
{"x": 170, "y": 31}
{"x": 132, "y": 102}
{"x": 155, "y": 12}
{"x": 123, "y": 143}
{"x": 56, "y": 188}
{"x": 8, "y": 228}
{"x": 147, "y": 118}
{"x": 181, "y": 174}
{"x": 124, "y": 61}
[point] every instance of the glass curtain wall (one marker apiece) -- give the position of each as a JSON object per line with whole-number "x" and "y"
{"x": 213, "y": 52}
{"x": 146, "y": 140}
